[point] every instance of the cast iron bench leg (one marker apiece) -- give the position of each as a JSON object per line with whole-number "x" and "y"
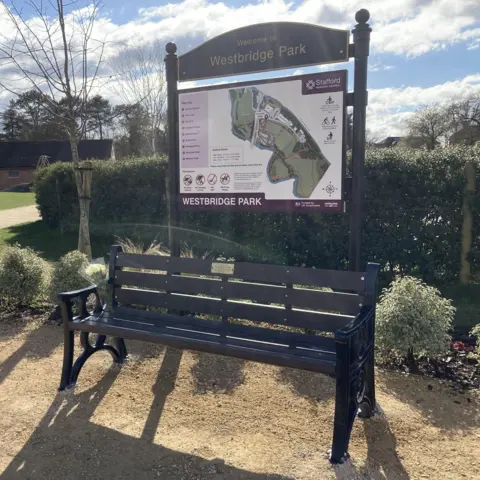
{"x": 121, "y": 348}
{"x": 345, "y": 412}
{"x": 350, "y": 385}
{"x": 71, "y": 372}
{"x": 68, "y": 350}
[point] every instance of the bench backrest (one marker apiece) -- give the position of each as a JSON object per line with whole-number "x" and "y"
{"x": 288, "y": 296}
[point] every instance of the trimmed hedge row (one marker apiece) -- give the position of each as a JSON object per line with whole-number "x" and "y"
{"x": 129, "y": 190}
{"x": 412, "y": 225}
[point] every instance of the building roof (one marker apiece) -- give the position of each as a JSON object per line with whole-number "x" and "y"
{"x": 413, "y": 142}
{"x": 388, "y": 142}
{"x": 25, "y": 154}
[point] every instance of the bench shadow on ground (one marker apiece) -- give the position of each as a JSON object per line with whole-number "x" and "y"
{"x": 66, "y": 444}
{"x": 315, "y": 387}
{"x": 382, "y": 462}
{"x": 39, "y": 343}
{"x": 443, "y": 407}
{"x": 42, "y": 341}
{"x": 216, "y": 373}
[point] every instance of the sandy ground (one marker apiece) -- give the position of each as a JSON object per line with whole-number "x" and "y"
{"x": 16, "y": 216}
{"x": 179, "y": 415}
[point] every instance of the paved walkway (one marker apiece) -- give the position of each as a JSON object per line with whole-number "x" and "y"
{"x": 16, "y": 216}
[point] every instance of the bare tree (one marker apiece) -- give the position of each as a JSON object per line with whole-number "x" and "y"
{"x": 141, "y": 81}
{"x": 428, "y": 123}
{"x": 463, "y": 116}
{"x": 56, "y": 52}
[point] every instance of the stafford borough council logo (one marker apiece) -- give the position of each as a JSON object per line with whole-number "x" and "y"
{"x": 310, "y": 84}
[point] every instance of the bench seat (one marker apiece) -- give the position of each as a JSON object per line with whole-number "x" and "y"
{"x": 249, "y": 343}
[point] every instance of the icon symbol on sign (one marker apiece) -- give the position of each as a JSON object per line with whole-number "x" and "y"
{"x": 212, "y": 179}
{"x": 310, "y": 84}
{"x": 200, "y": 180}
{"x": 187, "y": 180}
{"x": 330, "y": 136}
{"x": 225, "y": 179}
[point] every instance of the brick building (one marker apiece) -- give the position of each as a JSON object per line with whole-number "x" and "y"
{"x": 19, "y": 159}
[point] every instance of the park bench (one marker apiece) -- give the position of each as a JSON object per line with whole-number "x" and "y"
{"x": 223, "y": 308}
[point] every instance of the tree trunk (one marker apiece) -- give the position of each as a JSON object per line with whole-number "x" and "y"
{"x": 152, "y": 146}
{"x": 83, "y": 181}
{"x": 411, "y": 362}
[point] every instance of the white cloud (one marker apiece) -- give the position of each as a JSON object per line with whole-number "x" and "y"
{"x": 388, "y": 108}
{"x": 408, "y": 27}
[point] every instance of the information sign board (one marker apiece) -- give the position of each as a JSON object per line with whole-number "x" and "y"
{"x": 273, "y": 145}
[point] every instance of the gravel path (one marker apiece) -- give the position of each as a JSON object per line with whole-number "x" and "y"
{"x": 16, "y": 216}
{"x": 173, "y": 415}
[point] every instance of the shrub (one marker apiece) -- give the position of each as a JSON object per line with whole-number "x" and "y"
{"x": 413, "y": 320}
{"x": 69, "y": 273}
{"x": 24, "y": 275}
{"x": 476, "y": 332}
{"x": 97, "y": 274}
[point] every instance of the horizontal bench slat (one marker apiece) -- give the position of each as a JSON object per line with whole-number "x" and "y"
{"x": 295, "y": 358}
{"x": 228, "y": 328}
{"x": 335, "y": 279}
{"x": 248, "y": 311}
{"x": 331, "y": 301}
{"x": 191, "y": 332}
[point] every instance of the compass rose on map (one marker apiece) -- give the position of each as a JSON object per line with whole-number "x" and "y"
{"x": 330, "y": 189}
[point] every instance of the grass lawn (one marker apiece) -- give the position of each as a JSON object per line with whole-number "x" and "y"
{"x": 51, "y": 244}
{"x": 14, "y": 200}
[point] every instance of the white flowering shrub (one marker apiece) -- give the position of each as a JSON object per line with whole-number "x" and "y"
{"x": 24, "y": 275}
{"x": 69, "y": 273}
{"x": 98, "y": 276}
{"x": 413, "y": 320}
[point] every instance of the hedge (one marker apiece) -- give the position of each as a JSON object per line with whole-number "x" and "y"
{"x": 129, "y": 190}
{"x": 413, "y": 214}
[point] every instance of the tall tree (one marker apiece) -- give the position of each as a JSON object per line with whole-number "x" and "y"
{"x": 12, "y": 122}
{"x": 141, "y": 81}
{"x": 133, "y": 126}
{"x": 58, "y": 55}
{"x": 99, "y": 116}
{"x": 37, "y": 122}
{"x": 428, "y": 123}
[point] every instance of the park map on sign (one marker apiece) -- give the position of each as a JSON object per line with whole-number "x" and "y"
{"x": 267, "y": 124}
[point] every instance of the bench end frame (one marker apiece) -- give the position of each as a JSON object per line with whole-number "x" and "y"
{"x": 355, "y": 375}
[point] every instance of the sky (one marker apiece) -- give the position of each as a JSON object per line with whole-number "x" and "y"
{"x": 422, "y": 51}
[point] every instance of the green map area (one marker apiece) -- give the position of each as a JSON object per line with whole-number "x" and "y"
{"x": 268, "y": 124}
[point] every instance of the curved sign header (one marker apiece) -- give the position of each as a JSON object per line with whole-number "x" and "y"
{"x": 264, "y": 47}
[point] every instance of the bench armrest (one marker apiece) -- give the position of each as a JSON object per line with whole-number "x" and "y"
{"x": 362, "y": 319}
{"x": 66, "y": 298}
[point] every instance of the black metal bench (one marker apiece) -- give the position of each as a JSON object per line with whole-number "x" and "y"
{"x": 183, "y": 294}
